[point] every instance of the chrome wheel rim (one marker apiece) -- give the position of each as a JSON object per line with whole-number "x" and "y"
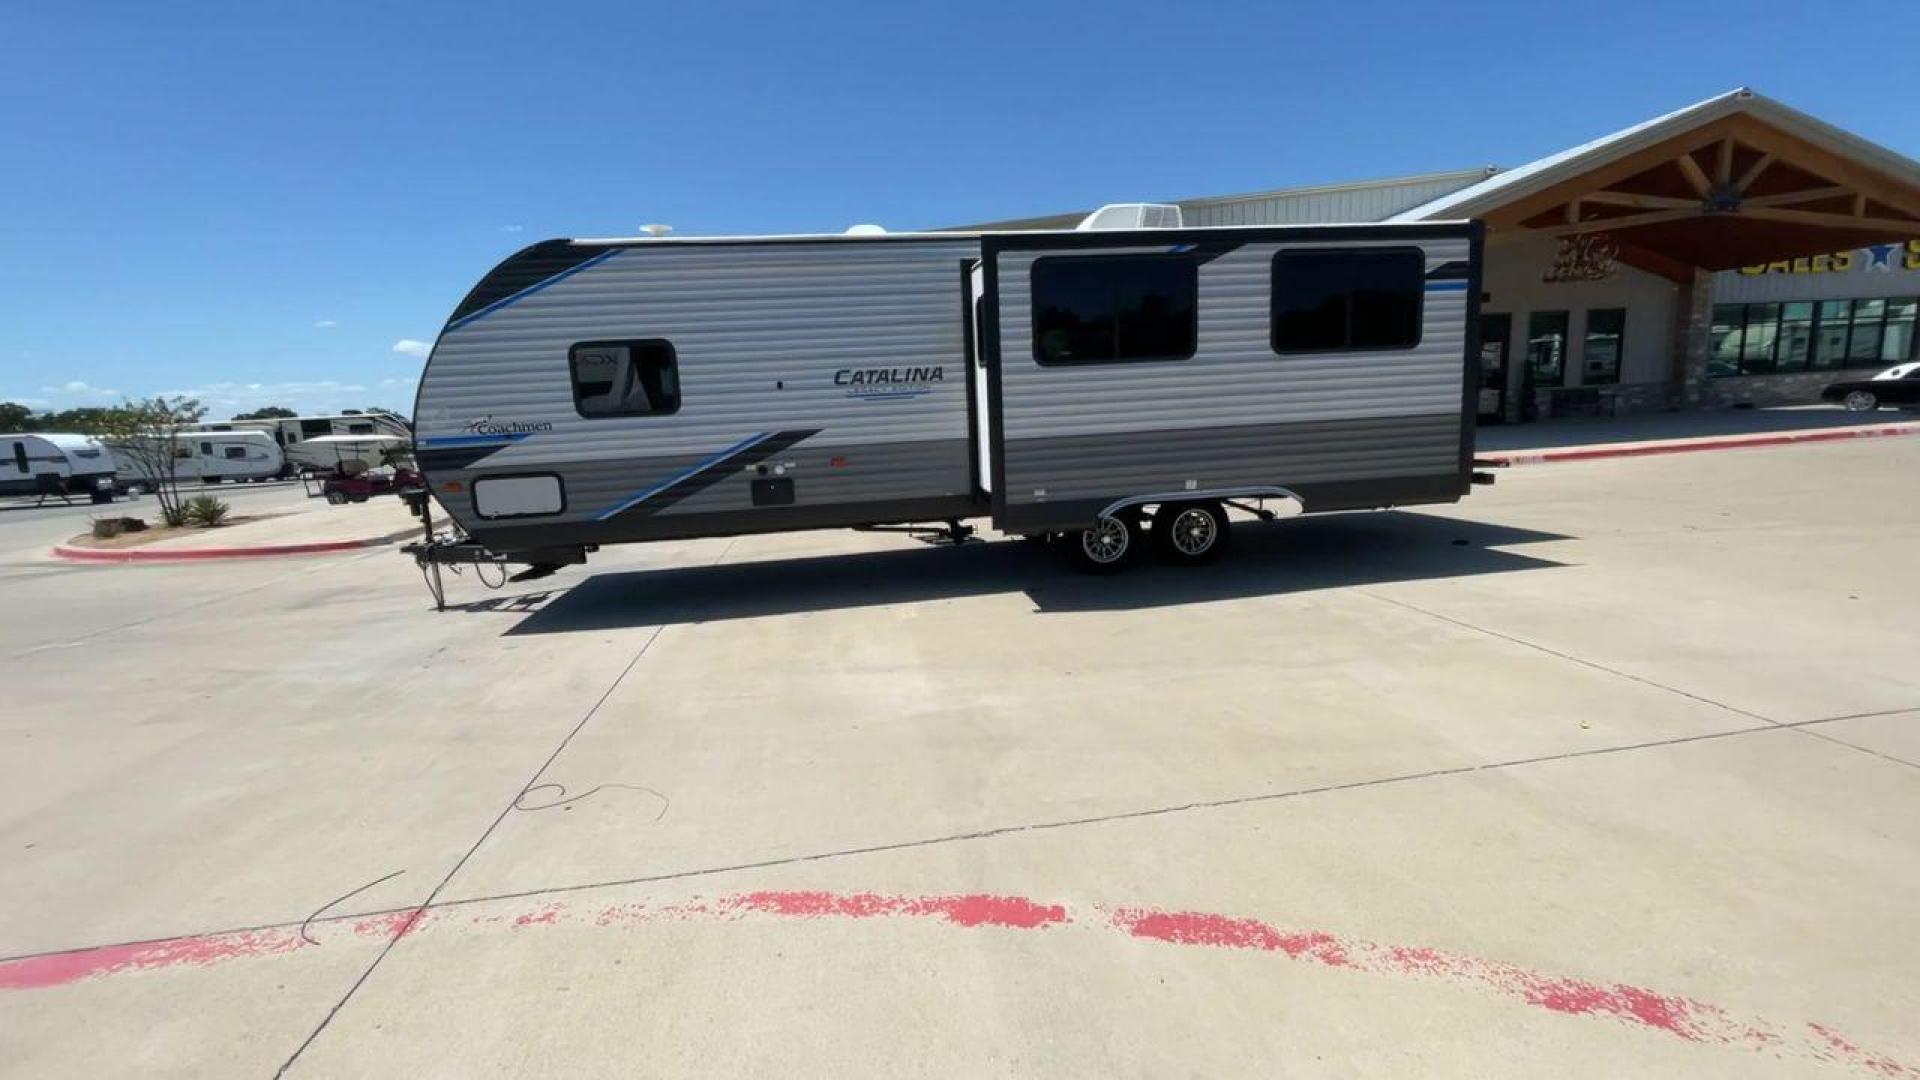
{"x": 1106, "y": 542}
{"x": 1860, "y": 401}
{"x": 1193, "y": 532}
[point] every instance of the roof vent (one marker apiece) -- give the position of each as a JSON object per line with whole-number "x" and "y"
{"x": 1131, "y": 216}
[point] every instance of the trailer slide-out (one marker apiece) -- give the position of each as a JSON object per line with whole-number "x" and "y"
{"x": 1113, "y": 388}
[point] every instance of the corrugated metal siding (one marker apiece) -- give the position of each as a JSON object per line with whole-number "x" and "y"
{"x": 759, "y": 331}
{"x": 1233, "y": 380}
{"x": 1355, "y": 204}
{"x": 1859, "y": 281}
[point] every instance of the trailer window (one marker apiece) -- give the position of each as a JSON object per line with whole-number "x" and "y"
{"x": 310, "y": 428}
{"x": 1105, "y": 309}
{"x": 1327, "y": 300}
{"x": 625, "y": 378}
{"x": 236, "y": 453}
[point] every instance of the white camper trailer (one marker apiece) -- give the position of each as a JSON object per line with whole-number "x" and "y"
{"x": 211, "y": 457}
{"x": 292, "y": 434}
{"x": 45, "y": 462}
{"x": 1106, "y": 387}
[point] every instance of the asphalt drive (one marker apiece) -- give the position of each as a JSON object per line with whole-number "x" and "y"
{"x": 1612, "y": 769}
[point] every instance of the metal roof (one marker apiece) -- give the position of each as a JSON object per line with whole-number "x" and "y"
{"x": 1539, "y": 175}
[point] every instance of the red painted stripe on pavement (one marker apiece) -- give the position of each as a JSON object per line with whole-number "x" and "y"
{"x": 188, "y": 554}
{"x": 1679, "y": 1017}
{"x": 1731, "y": 442}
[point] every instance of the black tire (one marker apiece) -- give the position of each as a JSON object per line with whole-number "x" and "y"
{"x": 102, "y": 497}
{"x": 337, "y": 498}
{"x": 1188, "y": 534}
{"x": 1861, "y": 401}
{"x": 1109, "y": 547}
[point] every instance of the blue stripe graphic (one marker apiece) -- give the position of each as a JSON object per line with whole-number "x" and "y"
{"x": 1446, "y": 286}
{"x": 534, "y": 288}
{"x": 665, "y": 484}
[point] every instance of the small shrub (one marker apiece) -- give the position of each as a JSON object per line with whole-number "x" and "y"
{"x": 204, "y": 511}
{"x": 108, "y": 528}
{"x": 174, "y": 516}
{"x": 132, "y": 524}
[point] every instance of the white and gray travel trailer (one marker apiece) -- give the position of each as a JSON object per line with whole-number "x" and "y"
{"x": 291, "y": 433}
{"x": 1087, "y": 384}
{"x": 211, "y": 457}
{"x": 77, "y": 464}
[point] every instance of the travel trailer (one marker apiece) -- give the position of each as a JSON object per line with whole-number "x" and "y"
{"x": 292, "y": 433}
{"x": 211, "y": 457}
{"x": 78, "y": 464}
{"x": 1112, "y": 388}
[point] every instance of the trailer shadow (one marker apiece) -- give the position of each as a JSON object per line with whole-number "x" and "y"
{"x": 1269, "y": 559}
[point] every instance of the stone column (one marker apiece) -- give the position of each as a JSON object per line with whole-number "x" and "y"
{"x": 1692, "y": 338}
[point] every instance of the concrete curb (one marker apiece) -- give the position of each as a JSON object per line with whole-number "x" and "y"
{"x": 1731, "y": 442}
{"x": 135, "y": 555}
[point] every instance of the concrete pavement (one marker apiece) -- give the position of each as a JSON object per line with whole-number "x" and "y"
{"x": 1609, "y": 770}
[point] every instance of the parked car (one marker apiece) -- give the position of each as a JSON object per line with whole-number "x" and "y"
{"x": 1899, "y": 385}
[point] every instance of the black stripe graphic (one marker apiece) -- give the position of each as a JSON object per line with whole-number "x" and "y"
{"x": 1450, "y": 271}
{"x": 728, "y": 466}
{"x": 453, "y": 458}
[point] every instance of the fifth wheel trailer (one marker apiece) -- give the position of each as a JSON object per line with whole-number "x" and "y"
{"x": 1080, "y": 384}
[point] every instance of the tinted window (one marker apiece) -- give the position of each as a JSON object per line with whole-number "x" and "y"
{"x": 1606, "y": 336}
{"x": 236, "y": 453}
{"x": 1547, "y": 347}
{"x": 1336, "y": 301}
{"x": 1102, "y": 309}
{"x": 316, "y": 427}
{"x": 624, "y": 378}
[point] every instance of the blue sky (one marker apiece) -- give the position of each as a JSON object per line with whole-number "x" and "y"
{"x": 258, "y": 202}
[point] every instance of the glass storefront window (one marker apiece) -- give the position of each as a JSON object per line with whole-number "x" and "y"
{"x": 1605, "y": 344}
{"x": 1761, "y": 339}
{"x": 1763, "y": 331}
{"x": 1864, "y": 347}
{"x": 1723, "y": 349}
{"x": 1796, "y": 337}
{"x": 1896, "y": 345}
{"x": 1547, "y": 348}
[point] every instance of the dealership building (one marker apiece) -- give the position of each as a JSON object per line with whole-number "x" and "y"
{"x": 1736, "y": 251}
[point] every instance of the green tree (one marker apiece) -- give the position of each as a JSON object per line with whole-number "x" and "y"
{"x": 271, "y": 412}
{"x": 146, "y": 436}
{"x": 15, "y": 417}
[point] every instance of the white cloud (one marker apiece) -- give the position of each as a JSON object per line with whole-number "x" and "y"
{"x": 512, "y": 228}
{"x": 410, "y": 347}
{"x": 80, "y": 389}
{"x": 398, "y": 384}
{"x": 325, "y": 324}
{"x": 35, "y": 403}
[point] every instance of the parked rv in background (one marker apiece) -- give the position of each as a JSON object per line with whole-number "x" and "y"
{"x": 213, "y": 456}
{"x": 78, "y": 464}
{"x": 292, "y": 432}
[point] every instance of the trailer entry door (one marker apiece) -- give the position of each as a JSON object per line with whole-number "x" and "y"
{"x": 982, "y": 415}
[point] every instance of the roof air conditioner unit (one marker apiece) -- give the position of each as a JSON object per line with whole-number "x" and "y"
{"x": 1132, "y": 216}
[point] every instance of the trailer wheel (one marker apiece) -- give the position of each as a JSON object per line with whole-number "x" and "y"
{"x": 337, "y": 498}
{"x": 1108, "y": 547}
{"x": 1188, "y": 534}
